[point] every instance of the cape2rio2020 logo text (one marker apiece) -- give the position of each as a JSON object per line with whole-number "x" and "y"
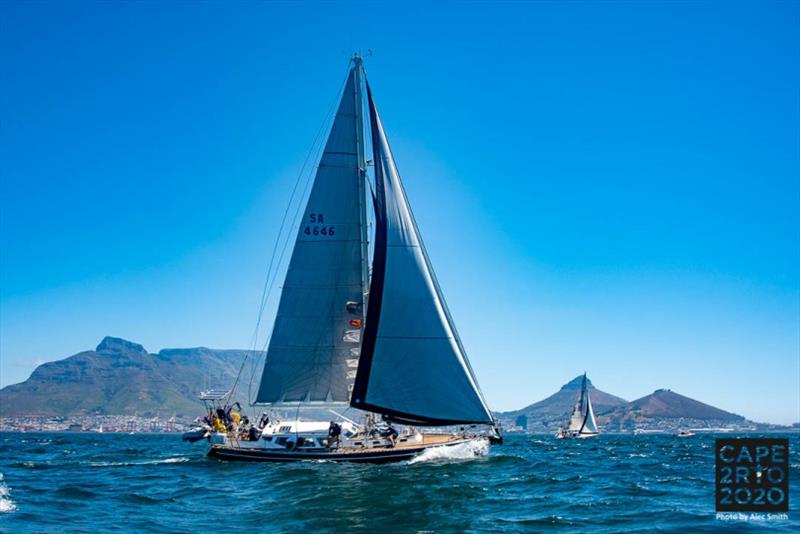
{"x": 752, "y": 474}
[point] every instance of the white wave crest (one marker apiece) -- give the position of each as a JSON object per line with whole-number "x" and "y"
{"x": 6, "y": 504}
{"x": 462, "y": 451}
{"x": 177, "y": 460}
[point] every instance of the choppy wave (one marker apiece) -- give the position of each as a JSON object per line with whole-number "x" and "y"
{"x": 531, "y": 483}
{"x": 6, "y": 504}
{"x": 463, "y": 451}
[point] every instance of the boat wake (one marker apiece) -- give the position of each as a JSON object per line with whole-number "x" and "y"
{"x": 462, "y": 451}
{"x": 6, "y": 504}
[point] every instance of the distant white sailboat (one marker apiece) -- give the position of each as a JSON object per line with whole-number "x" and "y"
{"x": 375, "y": 338}
{"x": 582, "y": 423}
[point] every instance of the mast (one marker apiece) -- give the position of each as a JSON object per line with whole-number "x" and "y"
{"x": 586, "y": 414}
{"x": 588, "y": 424}
{"x": 583, "y": 391}
{"x": 358, "y": 66}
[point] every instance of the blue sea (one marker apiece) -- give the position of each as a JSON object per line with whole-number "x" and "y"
{"x": 156, "y": 483}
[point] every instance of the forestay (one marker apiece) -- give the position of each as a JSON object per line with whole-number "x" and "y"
{"x": 313, "y": 352}
{"x": 413, "y": 367}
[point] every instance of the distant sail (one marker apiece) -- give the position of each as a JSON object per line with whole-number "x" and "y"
{"x": 413, "y": 367}
{"x": 582, "y": 419}
{"x": 315, "y": 340}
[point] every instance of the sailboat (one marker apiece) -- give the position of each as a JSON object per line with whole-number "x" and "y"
{"x": 581, "y": 423}
{"x": 357, "y": 331}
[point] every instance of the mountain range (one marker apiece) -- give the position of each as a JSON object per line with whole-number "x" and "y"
{"x": 662, "y": 409}
{"x": 120, "y": 377}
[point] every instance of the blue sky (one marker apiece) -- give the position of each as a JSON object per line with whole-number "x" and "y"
{"x": 610, "y": 187}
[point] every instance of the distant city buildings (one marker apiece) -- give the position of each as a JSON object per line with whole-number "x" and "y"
{"x": 95, "y": 423}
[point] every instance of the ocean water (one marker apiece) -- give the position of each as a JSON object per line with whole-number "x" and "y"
{"x": 121, "y": 483}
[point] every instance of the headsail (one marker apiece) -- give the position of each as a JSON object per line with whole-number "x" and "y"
{"x": 314, "y": 348}
{"x": 589, "y": 423}
{"x": 413, "y": 367}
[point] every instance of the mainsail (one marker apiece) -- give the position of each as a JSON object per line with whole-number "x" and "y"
{"x": 413, "y": 367}
{"x": 314, "y": 349}
{"x": 576, "y": 419}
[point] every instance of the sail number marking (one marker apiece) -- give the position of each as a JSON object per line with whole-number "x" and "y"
{"x": 316, "y": 228}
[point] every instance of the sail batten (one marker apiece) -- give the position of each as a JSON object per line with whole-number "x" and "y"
{"x": 413, "y": 367}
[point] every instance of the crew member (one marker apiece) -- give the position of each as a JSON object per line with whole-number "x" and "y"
{"x": 218, "y": 426}
{"x": 391, "y": 434}
{"x": 334, "y": 431}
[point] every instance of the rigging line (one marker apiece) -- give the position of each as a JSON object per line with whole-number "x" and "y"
{"x": 300, "y": 203}
{"x": 330, "y": 310}
{"x": 272, "y": 275}
{"x": 266, "y": 291}
{"x": 272, "y": 280}
{"x": 320, "y": 130}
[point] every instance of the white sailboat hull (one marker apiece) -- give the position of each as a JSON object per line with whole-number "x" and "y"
{"x": 575, "y": 435}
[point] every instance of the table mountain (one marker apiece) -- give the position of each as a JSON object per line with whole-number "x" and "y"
{"x": 121, "y": 378}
